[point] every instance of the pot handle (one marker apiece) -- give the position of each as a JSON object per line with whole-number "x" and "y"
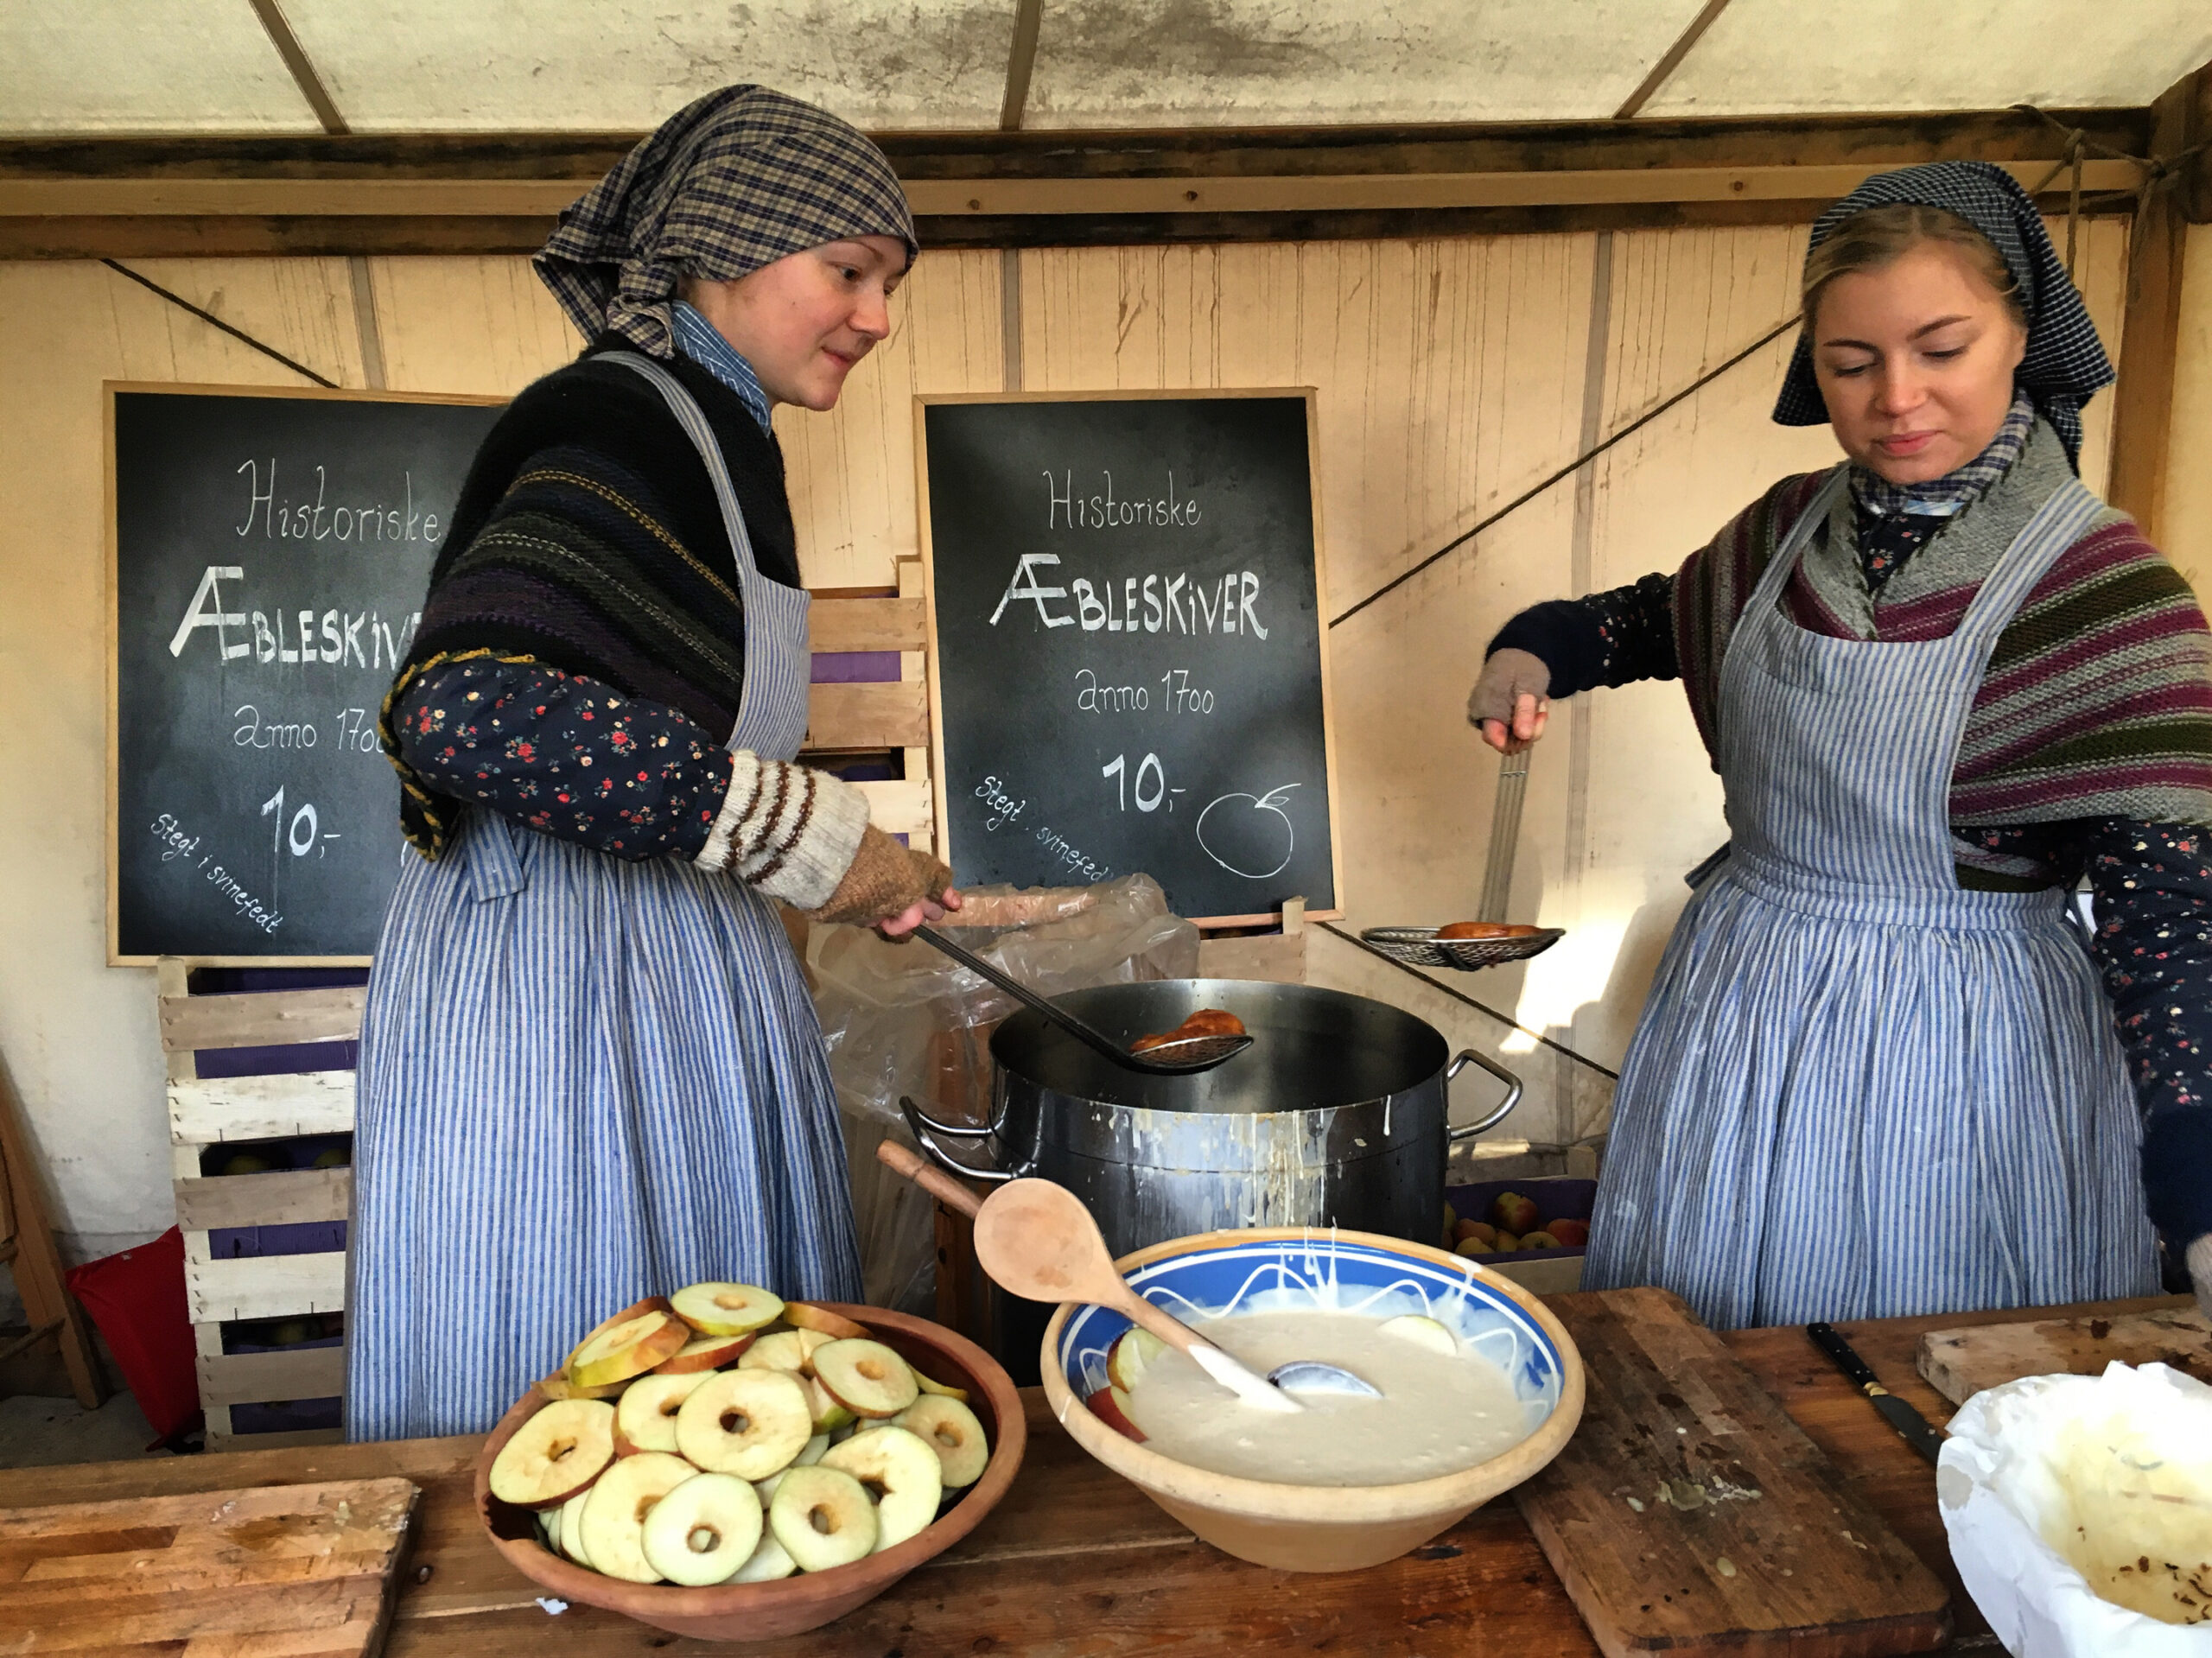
{"x": 1469, "y": 1056}
{"x": 926, "y": 1129}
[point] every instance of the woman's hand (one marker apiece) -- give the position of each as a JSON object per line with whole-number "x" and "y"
{"x": 918, "y": 914}
{"x": 1508, "y": 704}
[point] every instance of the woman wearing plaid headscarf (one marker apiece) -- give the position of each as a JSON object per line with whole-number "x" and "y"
{"x": 1942, "y": 682}
{"x": 590, "y": 1070}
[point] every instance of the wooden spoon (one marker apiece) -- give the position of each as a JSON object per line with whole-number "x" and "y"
{"x": 1075, "y": 1266}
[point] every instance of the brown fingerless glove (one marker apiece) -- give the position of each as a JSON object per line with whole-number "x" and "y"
{"x": 884, "y": 879}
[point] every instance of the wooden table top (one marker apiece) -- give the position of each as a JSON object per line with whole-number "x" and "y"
{"x": 1076, "y": 1561}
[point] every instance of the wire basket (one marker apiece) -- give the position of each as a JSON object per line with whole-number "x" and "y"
{"x": 1420, "y": 947}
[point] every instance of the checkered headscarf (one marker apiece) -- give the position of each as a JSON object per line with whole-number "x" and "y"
{"x": 738, "y": 179}
{"x": 2065, "y": 363}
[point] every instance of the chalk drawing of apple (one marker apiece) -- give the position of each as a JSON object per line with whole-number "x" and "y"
{"x": 1254, "y": 839}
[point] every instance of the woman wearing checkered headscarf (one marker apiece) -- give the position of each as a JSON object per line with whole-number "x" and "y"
{"x": 1942, "y": 682}
{"x": 590, "y": 1070}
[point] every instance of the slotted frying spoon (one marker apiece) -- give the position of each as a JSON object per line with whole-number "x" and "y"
{"x": 1035, "y": 1239}
{"x": 1181, "y": 1057}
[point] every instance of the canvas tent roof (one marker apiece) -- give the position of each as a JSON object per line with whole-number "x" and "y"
{"x": 114, "y": 66}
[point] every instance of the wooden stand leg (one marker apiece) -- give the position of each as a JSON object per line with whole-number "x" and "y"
{"x": 27, "y": 1245}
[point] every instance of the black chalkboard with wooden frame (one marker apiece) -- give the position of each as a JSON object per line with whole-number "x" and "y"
{"x": 268, "y": 551}
{"x": 1129, "y": 669}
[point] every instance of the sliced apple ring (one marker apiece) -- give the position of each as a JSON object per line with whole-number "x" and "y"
{"x": 866, "y": 1377}
{"x": 1131, "y": 1351}
{"x": 784, "y": 1349}
{"x": 635, "y": 1310}
{"x": 726, "y": 1309}
{"x": 804, "y": 1315}
{"x": 572, "y": 1528}
{"x": 823, "y": 1518}
{"x": 703, "y": 1530}
{"x": 903, "y": 1468}
{"x": 822, "y": 1406}
{"x": 629, "y": 1348}
{"x": 645, "y": 1418}
{"x": 613, "y": 1525}
{"x": 939, "y": 1388}
{"x": 770, "y": 1561}
{"x": 749, "y": 1423}
{"x": 1111, "y": 1406}
{"x": 1422, "y": 1331}
{"x": 704, "y": 1353}
{"x": 559, "y": 1387}
{"x": 950, "y": 1429}
{"x": 556, "y": 1454}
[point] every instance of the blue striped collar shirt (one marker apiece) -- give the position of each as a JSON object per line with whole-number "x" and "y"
{"x": 703, "y": 342}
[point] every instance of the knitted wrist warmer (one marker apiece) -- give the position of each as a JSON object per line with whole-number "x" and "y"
{"x": 885, "y": 877}
{"x": 790, "y": 831}
{"x": 2199, "y": 1257}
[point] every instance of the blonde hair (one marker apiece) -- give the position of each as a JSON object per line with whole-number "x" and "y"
{"x": 1877, "y": 238}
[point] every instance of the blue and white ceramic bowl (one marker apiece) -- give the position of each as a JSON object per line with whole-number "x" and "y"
{"x": 1315, "y": 1528}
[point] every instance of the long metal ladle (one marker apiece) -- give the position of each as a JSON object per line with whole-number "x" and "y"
{"x": 1035, "y": 1238}
{"x": 1179, "y": 1058}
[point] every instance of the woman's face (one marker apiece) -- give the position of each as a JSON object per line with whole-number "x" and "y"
{"x": 1915, "y": 361}
{"x": 805, "y": 321}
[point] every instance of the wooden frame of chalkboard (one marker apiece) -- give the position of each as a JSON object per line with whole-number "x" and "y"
{"x": 110, "y": 575}
{"x": 942, "y": 792}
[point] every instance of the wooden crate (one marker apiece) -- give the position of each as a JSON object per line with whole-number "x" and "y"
{"x": 204, "y": 1112}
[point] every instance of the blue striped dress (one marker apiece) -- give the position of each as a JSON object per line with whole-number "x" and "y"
{"x": 1858, "y": 1090}
{"x": 584, "y": 1081}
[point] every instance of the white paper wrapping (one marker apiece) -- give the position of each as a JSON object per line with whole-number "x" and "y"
{"x": 2113, "y": 1468}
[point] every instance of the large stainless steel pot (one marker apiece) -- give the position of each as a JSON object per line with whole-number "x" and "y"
{"x": 1336, "y": 1116}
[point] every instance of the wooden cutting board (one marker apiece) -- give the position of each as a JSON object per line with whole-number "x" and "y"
{"x": 267, "y": 1572}
{"x": 1690, "y": 1514}
{"x": 1960, "y": 1363}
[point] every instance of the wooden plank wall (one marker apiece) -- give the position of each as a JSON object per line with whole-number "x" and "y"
{"x": 1452, "y": 373}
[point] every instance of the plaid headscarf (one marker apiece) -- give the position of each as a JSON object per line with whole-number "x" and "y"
{"x": 738, "y": 179}
{"x": 2065, "y": 363}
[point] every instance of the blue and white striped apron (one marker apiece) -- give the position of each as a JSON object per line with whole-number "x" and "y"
{"x": 584, "y": 1081}
{"x": 1857, "y": 1090}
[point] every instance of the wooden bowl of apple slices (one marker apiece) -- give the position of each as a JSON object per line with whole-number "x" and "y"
{"x": 688, "y": 1439}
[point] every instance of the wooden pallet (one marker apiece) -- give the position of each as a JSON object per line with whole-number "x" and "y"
{"x": 217, "y": 1111}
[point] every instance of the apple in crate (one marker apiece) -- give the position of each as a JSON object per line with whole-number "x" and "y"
{"x": 1510, "y": 1212}
{"x": 1572, "y": 1235}
{"x": 746, "y": 1423}
{"x": 556, "y": 1454}
{"x": 726, "y": 1309}
{"x": 613, "y": 1530}
{"x": 900, "y": 1465}
{"x": 823, "y": 1518}
{"x": 704, "y": 1530}
{"x": 950, "y": 1429}
{"x": 866, "y": 1377}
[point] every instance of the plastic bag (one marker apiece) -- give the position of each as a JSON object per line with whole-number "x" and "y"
{"x": 905, "y": 1019}
{"x": 2071, "y": 1499}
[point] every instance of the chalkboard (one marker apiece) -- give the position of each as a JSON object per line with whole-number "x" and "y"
{"x": 1129, "y": 665}
{"x": 270, "y": 551}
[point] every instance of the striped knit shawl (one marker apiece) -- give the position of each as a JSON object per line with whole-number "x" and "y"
{"x": 587, "y": 540}
{"x": 2097, "y": 702}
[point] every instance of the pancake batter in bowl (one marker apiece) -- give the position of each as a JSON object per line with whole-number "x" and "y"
{"x": 1438, "y": 1413}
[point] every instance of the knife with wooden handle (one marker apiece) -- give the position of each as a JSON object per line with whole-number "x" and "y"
{"x": 1911, "y": 1425}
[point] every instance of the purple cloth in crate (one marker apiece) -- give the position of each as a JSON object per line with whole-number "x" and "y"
{"x": 854, "y": 667}
{"x": 286, "y": 1416}
{"x": 291, "y": 1058}
{"x": 295, "y": 1238}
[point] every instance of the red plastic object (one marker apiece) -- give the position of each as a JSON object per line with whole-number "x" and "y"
{"x": 136, "y": 1297}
